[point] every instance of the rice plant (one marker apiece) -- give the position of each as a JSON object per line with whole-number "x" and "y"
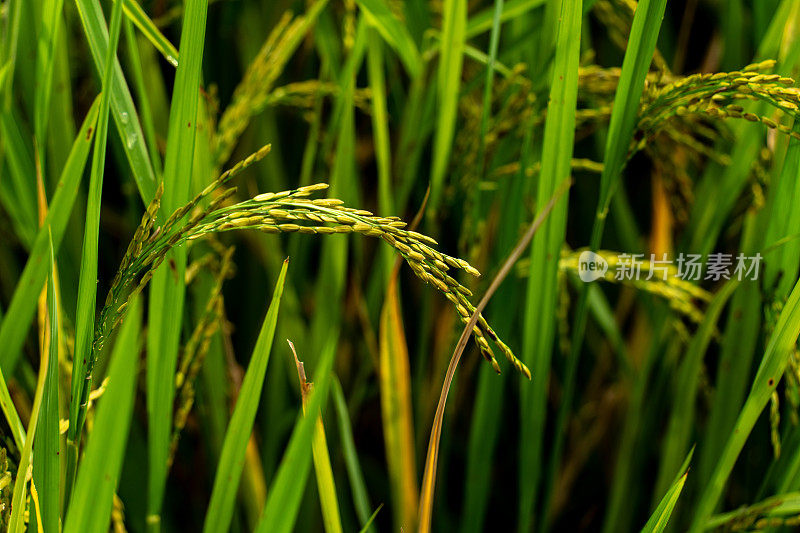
{"x": 241, "y": 245}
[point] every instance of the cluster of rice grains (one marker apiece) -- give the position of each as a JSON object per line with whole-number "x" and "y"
{"x": 714, "y": 95}
{"x": 677, "y": 115}
{"x": 255, "y": 90}
{"x": 220, "y": 263}
{"x": 286, "y": 212}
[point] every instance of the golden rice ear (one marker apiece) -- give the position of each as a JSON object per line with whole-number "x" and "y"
{"x": 714, "y": 96}
{"x": 292, "y": 212}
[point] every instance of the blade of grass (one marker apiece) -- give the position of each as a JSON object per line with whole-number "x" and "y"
{"x": 214, "y": 391}
{"x": 37, "y": 508}
{"x": 715, "y": 195}
{"x": 283, "y": 498}
{"x": 326, "y": 486}
{"x": 484, "y": 19}
{"x": 49, "y": 31}
{"x": 717, "y": 191}
{"x": 681, "y": 421}
{"x": 232, "y": 457}
{"x": 368, "y": 524}
{"x": 137, "y": 72}
{"x": 489, "y": 398}
{"x": 762, "y": 14}
{"x": 380, "y": 128}
{"x": 25, "y": 48}
{"x": 417, "y": 126}
{"x": 770, "y": 370}
{"x": 167, "y": 290}
{"x": 330, "y": 284}
{"x": 486, "y": 423}
{"x": 23, "y": 302}
{"x": 451, "y": 58}
{"x": 628, "y": 454}
{"x": 660, "y": 517}
{"x": 487, "y": 418}
{"x": 123, "y": 110}
{"x": 10, "y": 44}
{"x": 429, "y": 477}
{"x": 357, "y": 485}
{"x": 19, "y": 192}
{"x": 480, "y": 57}
{"x": 542, "y": 290}
{"x": 781, "y": 268}
{"x": 732, "y": 18}
{"x": 61, "y": 126}
{"x": 779, "y": 217}
{"x": 87, "y": 283}
{"x": 638, "y": 56}
{"x": 157, "y": 90}
{"x": 89, "y": 509}
{"x": 136, "y": 14}
{"x": 605, "y": 319}
{"x": 16, "y": 522}
{"x": 379, "y": 16}
{"x": 486, "y": 109}
{"x": 46, "y": 462}
{"x": 10, "y": 413}
{"x": 398, "y": 427}
{"x": 738, "y": 346}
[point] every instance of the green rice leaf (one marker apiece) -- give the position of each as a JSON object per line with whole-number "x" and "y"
{"x": 122, "y": 108}
{"x": 136, "y": 14}
{"x": 679, "y": 427}
{"x": 49, "y": 33}
{"x": 23, "y": 301}
{"x": 379, "y": 16}
{"x": 87, "y": 283}
{"x": 354, "y": 473}
{"x": 89, "y": 509}
{"x": 47, "y": 460}
{"x": 542, "y": 288}
{"x": 232, "y": 457}
{"x": 776, "y": 357}
{"x": 167, "y": 290}
{"x": 16, "y": 522}
{"x": 484, "y": 20}
{"x": 18, "y": 193}
{"x": 451, "y": 58}
{"x": 283, "y": 497}
{"x": 371, "y": 519}
{"x": 660, "y": 517}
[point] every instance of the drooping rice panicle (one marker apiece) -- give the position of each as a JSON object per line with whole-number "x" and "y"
{"x": 288, "y": 212}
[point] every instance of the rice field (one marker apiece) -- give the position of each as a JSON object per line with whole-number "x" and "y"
{"x": 381, "y": 265}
